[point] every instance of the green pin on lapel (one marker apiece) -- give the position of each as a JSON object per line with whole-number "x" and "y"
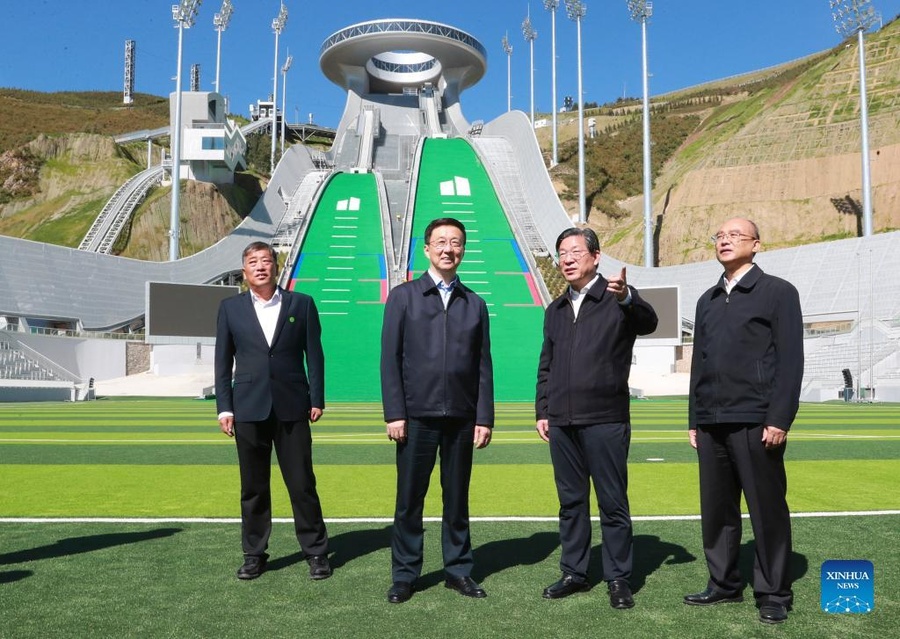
{"x": 291, "y": 319}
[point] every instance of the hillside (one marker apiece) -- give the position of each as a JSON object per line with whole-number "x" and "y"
{"x": 780, "y": 146}
{"x": 59, "y": 166}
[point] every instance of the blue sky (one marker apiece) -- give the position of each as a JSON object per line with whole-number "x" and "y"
{"x": 54, "y": 45}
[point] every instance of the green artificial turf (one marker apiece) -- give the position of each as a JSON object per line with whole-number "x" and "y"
{"x": 177, "y": 580}
{"x": 140, "y": 457}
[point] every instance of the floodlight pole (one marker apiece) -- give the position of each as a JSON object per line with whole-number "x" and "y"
{"x": 551, "y": 6}
{"x": 576, "y": 9}
{"x": 864, "y": 126}
{"x": 641, "y": 10}
{"x": 277, "y": 26}
{"x": 284, "y": 70}
{"x": 507, "y": 49}
{"x": 220, "y": 23}
{"x": 856, "y": 16}
{"x": 529, "y": 32}
{"x": 183, "y": 14}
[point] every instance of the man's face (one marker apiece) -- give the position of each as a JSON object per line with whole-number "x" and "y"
{"x": 445, "y": 249}
{"x": 576, "y": 263}
{"x": 736, "y": 242}
{"x": 260, "y": 269}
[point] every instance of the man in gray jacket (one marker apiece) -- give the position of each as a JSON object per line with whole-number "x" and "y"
{"x": 746, "y": 373}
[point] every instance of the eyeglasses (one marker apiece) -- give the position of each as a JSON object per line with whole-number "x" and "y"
{"x": 576, "y": 255}
{"x": 440, "y": 245}
{"x": 732, "y": 236}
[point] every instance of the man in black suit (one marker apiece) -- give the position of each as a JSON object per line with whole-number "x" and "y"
{"x": 437, "y": 387}
{"x": 264, "y": 334}
{"x": 582, "y": 410}
{"x": 746, "y": 375}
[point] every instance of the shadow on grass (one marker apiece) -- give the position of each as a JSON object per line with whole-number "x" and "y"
{"x": 344, "y": 548}
{"x": 799, "y": 564}
{"x": 14, "y": 575}
{"x": 79, "y": 545}
{"x": 651, "y": 553}
{"x": 496, "y": 556}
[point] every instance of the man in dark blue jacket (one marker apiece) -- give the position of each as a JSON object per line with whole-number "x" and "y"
{"x": 437, "y": 387}
{"x": 582, "y": 410}
{"x": 264, "y": 335}
{"x": 746, "y": 373}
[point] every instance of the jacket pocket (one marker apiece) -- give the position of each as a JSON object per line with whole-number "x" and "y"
{"x": 243, "y": 378}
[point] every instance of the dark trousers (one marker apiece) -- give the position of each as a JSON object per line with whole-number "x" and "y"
{"x": 293, "y": 446}
{"x": 415, "y": 462}
{"x": 733, "y": 459}
{"x": 581, "y": 454}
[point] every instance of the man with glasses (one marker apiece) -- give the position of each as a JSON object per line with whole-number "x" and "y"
{"x": 437, "y": 388}
{"x": 582, "y": 410}
{"x": 745, "y": 388}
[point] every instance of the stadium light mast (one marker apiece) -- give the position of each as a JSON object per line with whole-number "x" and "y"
{"x": 284, "y": 70}
{"x": 183, "y": 14}
{"x": 856, "y": 17}
{"x": 507, "y": 49}
{"x": 220, "y": 23}
{"x": 530, "y": 34}
{"x": 640, "y": 11}
{"x": 575, "y": 10}
{"x": 277, "y": 26}
{"x": 551, "y": 6}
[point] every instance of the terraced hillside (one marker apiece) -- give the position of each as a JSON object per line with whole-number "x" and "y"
{"x": 781, "y": 146}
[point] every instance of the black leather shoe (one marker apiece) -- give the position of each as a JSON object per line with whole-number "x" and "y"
{"x": 709, "y": 597}
{"x": 465, "y": 586}
{"x": 253, "y": 567}
{"x": 401, "y": 591}
{"x": 319, "y": 568}
{"x": 568, "y": 585}
{"x": 773, "y": 613}
{"x": 620, "y": 594}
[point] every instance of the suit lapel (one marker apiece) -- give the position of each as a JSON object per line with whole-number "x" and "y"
{"x": 252, "y": 318}
{"x": 286, "y": 302}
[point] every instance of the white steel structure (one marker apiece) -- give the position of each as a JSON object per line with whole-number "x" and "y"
{"x": 284, "y": 70}
{"x": 576, "y": 9}
{"x": 530, "y": 34}
{"x": 508, "y": 49}
{"x": 183, "y": 14}
{"x": 856, "y": 17}
{"x": 195, "y": 77}
{"x": 128, "y": 97}
{"x": 641, "y": 10}
{"x": 552, "y": 6}
{"x": 277, "y": 26}
{"x": 388, "y": 55}
{"x": 220, "y": 23}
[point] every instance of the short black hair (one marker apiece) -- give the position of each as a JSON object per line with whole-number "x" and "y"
{"x": 590, "y": 238}
{"x": 444, "y": 221}
{"x": 253, "y": 247}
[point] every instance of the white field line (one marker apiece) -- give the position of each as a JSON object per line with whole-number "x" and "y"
{"x": 388, "y": 520}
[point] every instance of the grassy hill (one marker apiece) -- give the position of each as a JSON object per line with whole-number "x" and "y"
{"x": 779, "y": 145}
{"x": 26, "y": 114}
{"x": 59, "y": 166}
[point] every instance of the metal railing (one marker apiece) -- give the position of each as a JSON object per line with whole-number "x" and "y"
{"x": 106, "y": 228}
